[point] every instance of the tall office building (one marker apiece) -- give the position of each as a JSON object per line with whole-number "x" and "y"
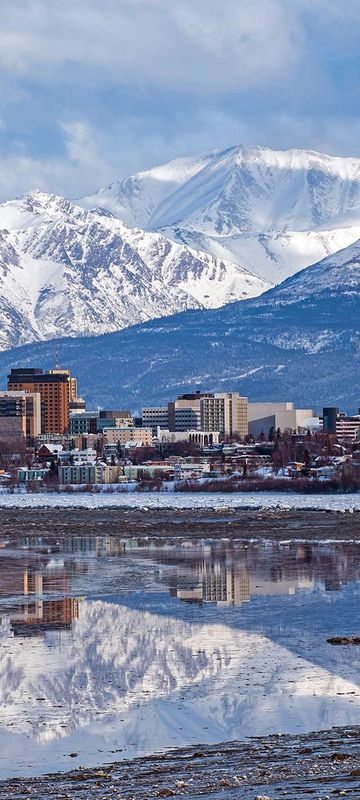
{"x": 76, "y": 403}
{"x": 184, "y": 412}
{"x": 54, "y": 393}
{"x": 224, "y": 412}
{"x": 155, "y": 417}
{"x": 20, "y": 413}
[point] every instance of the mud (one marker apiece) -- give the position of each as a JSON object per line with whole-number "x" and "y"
{"x": 167, "y": 524}
{"x": 315, "y": 765}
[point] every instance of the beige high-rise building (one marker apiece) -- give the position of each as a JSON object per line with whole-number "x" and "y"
{"x": 225, "y": 412}
{"x": 20, "y": 413}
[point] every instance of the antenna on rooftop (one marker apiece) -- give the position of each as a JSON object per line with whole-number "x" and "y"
{"x": 57, "y": 356}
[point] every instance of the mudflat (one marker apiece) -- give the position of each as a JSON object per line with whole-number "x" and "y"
{"x": 320, "y": 765}
{"x": 274, "y": 524}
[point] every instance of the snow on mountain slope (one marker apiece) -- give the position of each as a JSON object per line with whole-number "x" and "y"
{"x": 272, "y": 256}
{"x": 272, "y": 212}
{"x": 334, "y": 276}
{"x": 135, "y": 199}
{"x": 299, "y": 341}
{"x": 65, "y": 271}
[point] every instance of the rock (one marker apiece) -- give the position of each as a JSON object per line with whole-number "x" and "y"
{"x": 343, "y": 640}
{"x": 339, "y": 756}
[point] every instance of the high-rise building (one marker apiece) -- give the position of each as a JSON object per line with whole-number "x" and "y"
{"x": 54, "y": 392}
{"x": 155, "y": 417}
{"x": 20, "y": 413}
{"x": 184, "y": 413}
{"x": 224, "y": 412}
{"x": 76, "y": 403}
{"x": 330, "y": 415}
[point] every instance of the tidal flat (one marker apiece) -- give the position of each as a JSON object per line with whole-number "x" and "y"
{"x": 179, "y": 652}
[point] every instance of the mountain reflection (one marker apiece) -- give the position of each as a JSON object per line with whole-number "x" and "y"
{"x": 153, "y": 641}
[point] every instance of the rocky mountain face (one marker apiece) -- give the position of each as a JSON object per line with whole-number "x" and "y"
{"x": 196, "y": 233}
{"x": 271, "y": 212}
{"x": 299, "y": 341}
{"x": 65, "y": 271}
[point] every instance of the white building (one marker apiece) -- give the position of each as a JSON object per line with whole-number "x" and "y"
{"x": 201, "y": 438}
{"x": 284, "y": 415}
{"x": 89, "y": 473}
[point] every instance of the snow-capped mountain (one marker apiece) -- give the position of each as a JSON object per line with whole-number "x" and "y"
{"x": 194, "y": 233}
{"x": 65, "y": 271}
{"x": 299, "y": 341}
{"x": 272, "y": 212}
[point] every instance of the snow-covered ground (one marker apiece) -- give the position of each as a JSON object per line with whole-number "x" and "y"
{"x": 148, "y": 501}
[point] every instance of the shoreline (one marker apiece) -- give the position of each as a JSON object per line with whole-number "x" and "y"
{"x": 176, "y": 525}
{"x": 275, "y": 766}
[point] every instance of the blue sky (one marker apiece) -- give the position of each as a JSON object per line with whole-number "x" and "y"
{"x": 94, "y": 90}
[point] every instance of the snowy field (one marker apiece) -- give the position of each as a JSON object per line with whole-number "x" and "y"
{"x": 149, "y": 501}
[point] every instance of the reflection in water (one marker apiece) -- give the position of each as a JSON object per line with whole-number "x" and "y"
{"x": 108, "y": 645}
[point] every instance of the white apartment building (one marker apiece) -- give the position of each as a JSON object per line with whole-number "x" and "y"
{"x": 89, "y": 473}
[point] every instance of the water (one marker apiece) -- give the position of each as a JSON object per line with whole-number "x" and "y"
{"x": 111, "y": 649}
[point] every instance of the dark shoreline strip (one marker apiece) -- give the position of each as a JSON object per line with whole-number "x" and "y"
{"x": 277, "y": 766}
{"x": 178, "y": 524}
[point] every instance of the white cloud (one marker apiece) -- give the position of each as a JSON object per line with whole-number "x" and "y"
{"x": 132, "y": 83}
{"x": 208, "y": 44}
{"x": 81, "y": 168}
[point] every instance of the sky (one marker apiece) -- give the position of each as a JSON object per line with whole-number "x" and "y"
{"x": 94, "y": 90}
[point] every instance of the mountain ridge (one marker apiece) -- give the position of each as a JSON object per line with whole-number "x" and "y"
{"x": 63, "y": 268}
{"x": 306, "y": 350}
{"x": 274, "y": 212}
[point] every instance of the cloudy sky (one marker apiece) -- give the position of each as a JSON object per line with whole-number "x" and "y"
{"x": 93, "y": 90}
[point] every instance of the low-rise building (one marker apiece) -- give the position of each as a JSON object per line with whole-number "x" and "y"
{"x": 29, "y": 474}
{"x": 89, "y": 473}
{"x": 200, "y": 438}
{"x": 83, "y": 423}
{"x": 263, "y": 417}
{"x": 125, "y": 435}
{"x": 50, "y": 451}
{"x": 76, "y": 473}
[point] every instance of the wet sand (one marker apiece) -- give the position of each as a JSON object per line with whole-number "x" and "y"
{"x": 316, "y": 765}
{"x": 167, "y": 524}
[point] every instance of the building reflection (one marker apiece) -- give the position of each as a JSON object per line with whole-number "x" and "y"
{"x": 230, "y": 575}
{"x": 41, "y": 584}
{"x": 39, "y": 576}
{"x": 35, "y": 612}
{"x": 35, "y": 617}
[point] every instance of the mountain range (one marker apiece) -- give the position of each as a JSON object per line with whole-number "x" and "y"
{"x": 273, "y": 212}
{"x": 298, "y": 341}
{"x": 195, "y": 233}
{"x": 202, "y": 243}
{"x": 71, "y": 272}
